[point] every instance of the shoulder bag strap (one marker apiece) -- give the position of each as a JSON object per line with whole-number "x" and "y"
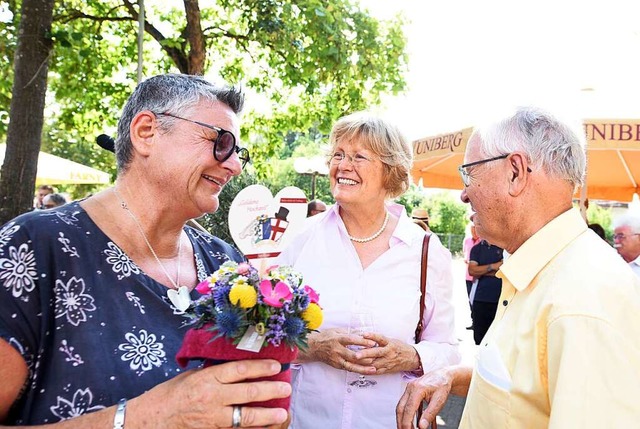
{"x": 423, "y": 296}
{"x": 423, "y": 284}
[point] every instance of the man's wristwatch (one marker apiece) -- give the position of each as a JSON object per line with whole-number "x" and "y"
{"x": 489, "y": 268}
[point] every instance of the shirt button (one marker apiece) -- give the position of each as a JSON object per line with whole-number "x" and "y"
{"x": 349, "y": 390}
{"x": 505, "y": 302}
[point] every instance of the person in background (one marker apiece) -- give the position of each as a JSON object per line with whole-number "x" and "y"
{"x": 467, "y": 245}
{"x": 484, "y": 262}
{"x": 315, "y": 207}
{"x": 363, "y": 258}
{"x": 626, "y": 239}
{"x": 421, "y": 224}
{"x": 421, "y": 215}
{"x": 598, "y": 229}
{"x": 86, "y": 317}
{"x": 51, "y": 201}
{"x": 562, "y": 350}
{"x": 41, "y": 191}
{"x": 471, "y": 240}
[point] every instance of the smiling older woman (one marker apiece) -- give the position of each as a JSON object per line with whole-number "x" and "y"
{"x": 363, "y": 257}
{"x": 92, "y": 293}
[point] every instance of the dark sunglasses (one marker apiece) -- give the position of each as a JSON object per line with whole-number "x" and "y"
{"x": 224, "y": 145}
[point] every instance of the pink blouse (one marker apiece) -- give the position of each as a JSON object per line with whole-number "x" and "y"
{"x": 389, "y": 288}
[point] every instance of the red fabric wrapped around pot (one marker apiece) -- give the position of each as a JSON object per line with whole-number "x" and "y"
{"x": 197, "y": 345}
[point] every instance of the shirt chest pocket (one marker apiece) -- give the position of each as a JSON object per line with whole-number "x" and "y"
{"x": 487, "y": 406}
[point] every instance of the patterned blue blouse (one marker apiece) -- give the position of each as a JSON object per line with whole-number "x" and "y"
{"x": 92, "y": 327}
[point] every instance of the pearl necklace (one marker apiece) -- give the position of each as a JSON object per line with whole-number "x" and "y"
{"x": 374, "y": 236}
{"x": 180, "y": 296}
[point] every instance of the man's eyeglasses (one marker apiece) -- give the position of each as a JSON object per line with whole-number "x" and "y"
{"x": 621, "y": 236}
{"x": 355, "y": 159}
{"x": 464, "y": 174}
{"x": 224, "y": 145}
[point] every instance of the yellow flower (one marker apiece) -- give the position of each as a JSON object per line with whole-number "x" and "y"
{"x": 243, "y": 295}
{"x": 313, "y": 316}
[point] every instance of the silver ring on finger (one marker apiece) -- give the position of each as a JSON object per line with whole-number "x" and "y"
{"x": 236, "y": 417}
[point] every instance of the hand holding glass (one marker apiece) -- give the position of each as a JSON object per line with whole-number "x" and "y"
{"x": 360, "y": 324}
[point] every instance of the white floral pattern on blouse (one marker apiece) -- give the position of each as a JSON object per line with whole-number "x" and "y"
{"x": 80, "y": 404}
{"x": 143, "y": 352}
{"x": 18, "y": 271}
{"x": 72, "y": 301}
{"x": 90, "y": 324}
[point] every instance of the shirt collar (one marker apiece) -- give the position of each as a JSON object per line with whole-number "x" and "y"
{"x": 534, "y": 254}
{"x": 635, "y": 261}
{"x": 405, "y": 230}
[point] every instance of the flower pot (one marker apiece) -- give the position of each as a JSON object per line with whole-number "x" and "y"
{"x": 198, "y": 345}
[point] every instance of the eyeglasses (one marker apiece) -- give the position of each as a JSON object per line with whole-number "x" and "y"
{"x": 621, "y": 236}
{"x": 355, "y": 159}
{"x": 464, "y": 174}
{"x": 224, "y": 145}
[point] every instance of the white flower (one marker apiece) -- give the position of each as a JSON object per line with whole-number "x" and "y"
{"x": 240, "y": 280}
{"x": 72, "y": 301}
{"x": 79, "y": 405}
{"x": 18, "y": 272}
{"x": 143, "y": 351}
{"x": 120, "y": 261}
{"x": 6, "y": 232}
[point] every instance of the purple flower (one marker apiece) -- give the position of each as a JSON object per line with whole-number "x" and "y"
{"x": 221, "y": 295}
{"x": 229, "y": 323}
{"x": 293, "y": 327}
{"x": 275, "y": 332}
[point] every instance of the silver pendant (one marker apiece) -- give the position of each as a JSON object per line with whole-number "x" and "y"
{"x": 180, "y": 298}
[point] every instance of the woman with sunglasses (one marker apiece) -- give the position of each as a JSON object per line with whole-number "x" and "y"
{"x": 363, "y": 257}
{"x": 93, "y": 292}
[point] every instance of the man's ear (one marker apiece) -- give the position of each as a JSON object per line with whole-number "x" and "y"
{"x": 519, "y": 171}
{"x": 143, "y": 129}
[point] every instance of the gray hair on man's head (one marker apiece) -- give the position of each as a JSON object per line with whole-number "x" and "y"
{"x": 57, "y": 199}
{"x": 170, "y": 93}
{"x": 632, "y": 220}
{"x": 385, "y": 140}
{"x": 548, "y": 143}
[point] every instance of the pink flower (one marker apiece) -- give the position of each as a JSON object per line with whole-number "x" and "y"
{"x": 204, "y": 287}
{"x": 275, "y": 296}
{"x": 272, "y": 267}
{"x": 243, "y": 268}
{"x": 313, "y": 295}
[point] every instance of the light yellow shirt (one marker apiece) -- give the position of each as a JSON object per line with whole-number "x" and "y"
{"x": 563, "y": 351}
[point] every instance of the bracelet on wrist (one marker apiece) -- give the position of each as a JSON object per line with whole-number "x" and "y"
{"x": 118, "y": 419}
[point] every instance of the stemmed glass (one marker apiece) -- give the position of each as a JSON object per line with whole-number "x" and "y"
{"x": 361, "y": 323}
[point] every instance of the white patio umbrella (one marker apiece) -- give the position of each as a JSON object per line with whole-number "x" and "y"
{"x": 53, "y": 170}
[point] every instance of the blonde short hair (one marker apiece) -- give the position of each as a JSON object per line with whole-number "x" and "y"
{"x": 385, "y": 141}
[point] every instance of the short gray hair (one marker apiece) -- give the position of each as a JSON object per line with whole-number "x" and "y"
{"x": 628, "y": 219}
{"x": 57, "y": 199}
{"x": 549, "y": 144}
{"x": 385, "y": 141}
{"x": 170, "y": 93}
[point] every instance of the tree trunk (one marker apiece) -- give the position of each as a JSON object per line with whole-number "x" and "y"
{"x": 195, "y": 37}
{"x": 26, "y": 112}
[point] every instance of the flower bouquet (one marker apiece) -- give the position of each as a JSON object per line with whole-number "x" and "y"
{"x": 241, "y": 316}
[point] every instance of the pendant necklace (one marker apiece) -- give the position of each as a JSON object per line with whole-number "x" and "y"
{"x": 374, "y": 236}
{"x": 179, "y": 296}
